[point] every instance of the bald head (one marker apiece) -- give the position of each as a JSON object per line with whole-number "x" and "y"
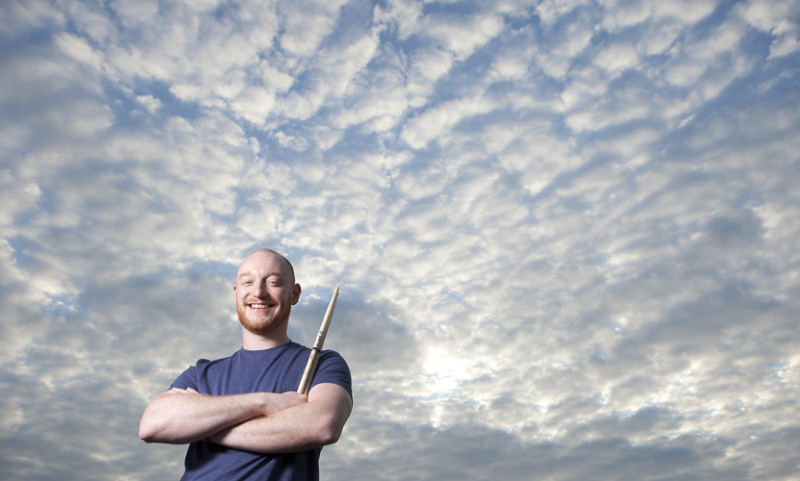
{"x": 265, "y": 291}
{"x": 286, "y": 266}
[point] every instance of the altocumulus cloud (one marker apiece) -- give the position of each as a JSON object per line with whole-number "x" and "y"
{"x": 565, "y": 232}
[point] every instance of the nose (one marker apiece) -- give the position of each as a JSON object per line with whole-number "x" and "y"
{"x": 261, "y": 290}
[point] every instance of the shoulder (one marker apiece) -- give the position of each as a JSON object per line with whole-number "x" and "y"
{"x": 332, "y": 368}
{"x": 332, "y": 356}
{"x": 203, "y": 363}
{"x": 191, "y": 374}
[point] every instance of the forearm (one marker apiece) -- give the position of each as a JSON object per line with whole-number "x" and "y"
{"x": 299, "y": 428}
{"x": 293, "y": 430}
{"x": 184, "y": 416}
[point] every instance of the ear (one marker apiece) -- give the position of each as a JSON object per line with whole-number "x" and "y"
{"x": 296, "y": 290}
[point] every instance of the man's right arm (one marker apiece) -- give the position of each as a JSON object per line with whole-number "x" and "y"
{"x": 181, "y": 416}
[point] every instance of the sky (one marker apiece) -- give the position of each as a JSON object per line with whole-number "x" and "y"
{"x": 565, "y": 232}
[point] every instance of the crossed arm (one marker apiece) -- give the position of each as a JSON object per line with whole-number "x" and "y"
{"x": 260, "y": 422}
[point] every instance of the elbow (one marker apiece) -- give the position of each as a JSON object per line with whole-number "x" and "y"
{"x": 153, "y": 429}
{"x": 322, "y": 438}
{"x": 146, "y": 436}
{"x": 159, "y": 432}
{"x": 328, "y": 437}
{"x": 327, "y": 433}
{"x": 157, "y": 424}
{"x": 328, "y": 421}
{"x": 148, "y": 432}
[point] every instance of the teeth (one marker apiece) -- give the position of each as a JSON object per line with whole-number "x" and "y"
{"x": 258, "y": 306}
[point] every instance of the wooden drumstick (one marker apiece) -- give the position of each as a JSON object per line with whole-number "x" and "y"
{"x": 313, "y": 357}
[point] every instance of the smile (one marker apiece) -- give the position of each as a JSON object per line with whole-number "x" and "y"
{"x": 258, "y": 306}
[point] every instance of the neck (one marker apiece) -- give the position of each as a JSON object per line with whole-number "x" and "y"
{"x": 257, "y": 342}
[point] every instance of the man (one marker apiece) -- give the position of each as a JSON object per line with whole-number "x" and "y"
{"x": 242, "y": 415}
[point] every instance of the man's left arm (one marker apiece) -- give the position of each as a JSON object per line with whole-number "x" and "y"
{"x": 299, "y": 428}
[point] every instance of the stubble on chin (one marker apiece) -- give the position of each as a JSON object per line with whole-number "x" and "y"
{"x": 262, "y": 327}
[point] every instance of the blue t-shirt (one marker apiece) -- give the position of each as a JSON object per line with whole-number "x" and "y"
{"x": 271, "y": 370}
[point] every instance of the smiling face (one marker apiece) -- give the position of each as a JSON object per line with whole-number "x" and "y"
{"x": 265, "y": 292}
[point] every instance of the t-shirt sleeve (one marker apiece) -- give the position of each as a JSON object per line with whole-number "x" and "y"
{"x": 187, "y": 379}
{"x": 332, "y": 368}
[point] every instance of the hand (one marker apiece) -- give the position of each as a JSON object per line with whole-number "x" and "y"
{"x": 176, "y": 391}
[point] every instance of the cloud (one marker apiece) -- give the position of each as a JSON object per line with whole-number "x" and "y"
{"x": 775, "y": 18}
{"x": 563, "y": 232}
